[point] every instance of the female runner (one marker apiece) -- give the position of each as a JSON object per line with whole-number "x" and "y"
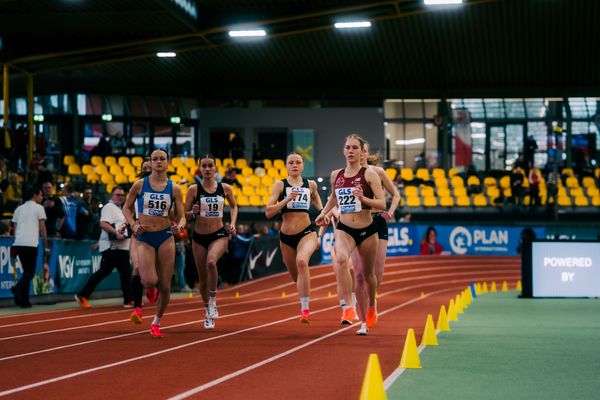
{"x": 205, "y": 202}
{"x": 155, "y": 195}
{"x": 381, "y": 218}
{"x": 357, "y": 190}
{"x": 298, "y": 237}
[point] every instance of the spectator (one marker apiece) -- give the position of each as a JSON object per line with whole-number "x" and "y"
{"x": 29, "y": 220}
{"x": 12, "y": 195}
{"x": 114, "y": 247}
{"x": 89, "y": 225}
{"x": 231, "y": 177}
{"x": 235, "y": 146}
{"x": 535, "y": 177}
{"x": 429, "y": 244}
{"x": 72, "y": 208}
{"x": 529, "y": 149}
{"x": 405, "y": 218}
{"x": 118, "y": 144}
{"x": 20, "y": 146}
{"x": 102, "y": 149}
{"x": 4, "y": 227}
{"x": 240, "y": 244}
{"x": 257, "y": 157}
{"x": 41, "y": 144}
{"x": 53, "y": 207}
{"x": 181, "y": 238}
{"x": 516, "y": 186}
{"x": 275, "y": 228}
{"x": 552, "y": 188}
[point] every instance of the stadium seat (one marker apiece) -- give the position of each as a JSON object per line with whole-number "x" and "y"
{"x": 460, "y": 192}
{"x": 480, "y": 200}
{"x": 74, "y": 169}
{"x": 273, "y": 173}
{"x": 446, "y": 201}
{"x": 391, "y": 173}
{"x": 246, "y": 171}
{"x": 137, "y": 161}
{"x": 452, "y": 172}
{"x": 267, "y": 180}
{"x": 473, "y": 181}
{"x": 564, "y": 201}
{"x": 254, "y": 181}
{"x": 575, "y": 192}
{"x": 413, "y": 201}
{"x": 87, "y": 169}
{"x": 430, "y": 201}
{"x": 121, "y": 179}
{"x": 283, "y": 173}
{"x": 581, "y": 201}
{"x": 96, "y": 160}
{"x": 596, "y": 201}
{"x": 265, "y": 199}
{"x": 176, "y": 162}
{"x": 438, "y": 173}
{"x": 191, "y": 162}
{"x": 267, "y": 163}
{"x": 106, "y": 178}
{"x": 68, "y": 160}
{"x": 407, "y": 174}
{"x": 248, "y": 190}
{"x": 572, "y": 182}
{"x": 505, "y": 182}
{"x": 115, "y": 170}
{"x": 132, "y": 178}
{"x": 101, "y": 169}
{"x": 92, "y": 178}
{"x": 242, "y": 180}
{"x": 279, "y": 164}
{"x": 593, "y": 191}
{"x": 427, "y": 191}
{"x": 110, "y": 186}
{"x": 489, "y": 181}
{"x": 411, "y": 191}
{"x": 463, "y": 201}
{"x": 123, "y": 161}
{"x": 493, "y": 193}
{"x": 457, "y": 182}
{"x": 443, "y": 192}
{"x": 228, "y": 162}
{"x": 423, "y": 173}
{"x": 256, "y": 201}
{"x": 441, "y": 182}
{"x": 243, "y": 201}
{"x": 241, "y": 163}
{"x": 110, "y": 160}
{"x": 567, "y": 172}
{"x": 588, "y": 181}
{"x": 129, "y": 169}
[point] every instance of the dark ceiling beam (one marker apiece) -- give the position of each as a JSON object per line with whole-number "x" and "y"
{"x": 170, "y": 8}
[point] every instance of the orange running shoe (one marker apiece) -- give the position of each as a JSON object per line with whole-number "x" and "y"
{"x": 348, "y": 316}
{"x": 136, "y": 316}
{"x": 371, "y": 318}
{"x": 305, "y": 316}
{"x": 83, "y": 302}
{"x": 155, "y": 331}
{"x": 152, "y": 295}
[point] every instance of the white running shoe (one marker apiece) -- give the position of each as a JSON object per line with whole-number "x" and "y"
{"x": 363, "y": 331}
{"x": 209, "y": 323}
{"x": 212, "y": 311}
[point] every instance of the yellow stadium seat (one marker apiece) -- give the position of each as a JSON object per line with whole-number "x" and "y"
{"x": 236, "y": 190}
{"x": 507, "y": 192}
{"x": 248, "y": 190}
{"x": 110, "y": 160}
{"x": 101, "y": 169}
{"x": 267, "y": 163}
{"x": 568, "y": 171}
{"x": 115, "y": 169}
{"x": 596, "y": 201}
{"x": 246, "y": 171}
{"x": 391, "y": 173}
{"x": 68, "y": 160}
{"x": 453, "y": 171}
{"x": 219, "y": 162}
{"x": 129, "y": 169}
{"x": 407, "y": 174}
{"x": 110, "y": 186}
{"x": 460, "y": 192}
{"x": 176, "y": 162}
{"x": 242, "y": 180}
{"x": 123, "y": 161}
{"x": 228, "y": 162}
{"x": 272, "y": 172}
{"x": 574, "y": 192}
{"x": 489, "y": 181}
{"x": 588, "y": 181}
{"x": 74, "y": 169}
{"x": 480, "y": 201}
{"x": 430, "y": 202}
{"x": 121, "y": 179}
{"x": 463, "y": 201}
{"x": 413, "y": 201}
{"x": 438, "y": 173}
{"x": 441, "y": 182}
{"x": 581, "y": 201}
{"x": 132, "y": 178}
{"x": 597, "y": 172}
{"x": 564, "y": 201}
{"x": 241, "y": 163}
{"x": 137, "y": 161}
{"x": 267, "y": 180}
{"x": 562, "y": 191}
{"x": 457, "y": 182}
{"x": 473, "y": 181}
{"x": 423, "y": 173}
{"x": 183, "y": 172}
{"x": 446, "y": 201}
{"x": 106, "y": 178}
{"x": 427, "y": 191}
{"x": 505, "y": 182}
{"x": 190, "y": 162}
{"x": 256, "y": 201}
{"x": 243, "y": 201}
{"x": 175, "y": 178}
{"x": 410, "y": 191}
{"x": 92, "y": 178}
{"x": 87, "y": 169}
{"x": 572, "y": 182}
{"x": 254, "y": 181}
{"x": 265, "y": 199}
{"x": 283, "y": 172}
{"x": 278, "y": 164}
{"x": 263, "y": 191}
{"x": 96, "y": 160}
{"x": 593, "y": 191}
{"x": 443, "y": 192}
{"x": 492, "y": 192}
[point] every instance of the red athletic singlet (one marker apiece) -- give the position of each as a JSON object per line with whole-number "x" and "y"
{"x": 343, "y": 190}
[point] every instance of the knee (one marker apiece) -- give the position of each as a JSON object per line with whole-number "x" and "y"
{"x": 301, "y": 263}
{"x": 211, "y": 264}
{"x": 149, "y": 283}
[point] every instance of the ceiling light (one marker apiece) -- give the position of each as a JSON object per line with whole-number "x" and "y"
{"x": 410, "y": 142}
{"x": 166, "y": 54}
{"x": 354, "y": 24}
{"x": 248, "y": 33}
{"x": 442, "y": 2}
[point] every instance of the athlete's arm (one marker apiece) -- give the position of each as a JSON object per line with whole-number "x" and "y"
{"x": 132, "y": 196}
{"x": 274, "y": 206}
{"x": 233, "y": 208}
{"x": 191, "y": 208}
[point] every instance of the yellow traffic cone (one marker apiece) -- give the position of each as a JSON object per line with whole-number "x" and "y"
{"x": 372, "y": 387}
{"x": 237, "y": 295}
{"x": 493, "y": 288}
{"x": 329, "y": 295}
{"x": 452, "y": 311}
{"x": 478, "y": 288}
{"x": 504, "y": 286}
{"x": 484, "y": 287}
{"x": 442, "y": 321}
{"x": 459, "y": 304}
{"x": 190, "y": 295}
{"x": 410, "y": 354}
{"x": 422, "y": 295}
{"x": 429, "y": 337}
{"x": 283, "y": 295}
{"x": 519, "y": 286}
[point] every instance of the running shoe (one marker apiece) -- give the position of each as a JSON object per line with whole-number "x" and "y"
{"x": 212, "y": 311}
{"x": 128, "y": 305}
{"x": 305, "y": 316}
{"x": 363, "y": 331}
{"x": 371, "y": 318}
{"x": 348, "y": 316}
{"x": 155, "y": 331}
{"x": 83, "y": 302}
{"x": 152, "y": 295}
{"x": 136, "y": 316}
{"x": 209, "y": 323}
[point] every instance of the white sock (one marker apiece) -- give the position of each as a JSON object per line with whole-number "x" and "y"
{"x": 212, "y": 296}
{"x": 353, "y": 300}
{"x": 156, "y": 320}
{"x": 343, "y": 304}
{"x": 304, "y": 302}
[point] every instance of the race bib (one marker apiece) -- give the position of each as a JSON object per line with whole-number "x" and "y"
{"x": 211, "y": 207}
{"x": 157, "y": 204}
{"x": 302, "y": 200}
{"x": 347, "y": 202}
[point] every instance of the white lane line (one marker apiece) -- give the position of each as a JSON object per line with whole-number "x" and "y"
{"x": 129, "y": 360}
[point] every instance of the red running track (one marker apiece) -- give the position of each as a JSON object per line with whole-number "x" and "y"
{"x": 257, "y": 350}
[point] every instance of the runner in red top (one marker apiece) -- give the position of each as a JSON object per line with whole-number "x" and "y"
{"x": 356, "y": 190}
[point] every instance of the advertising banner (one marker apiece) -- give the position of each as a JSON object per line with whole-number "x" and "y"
{"x": 303, "y": 142}
{"x": 11, "y": 271}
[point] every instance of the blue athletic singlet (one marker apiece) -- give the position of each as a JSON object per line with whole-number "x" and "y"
{"x": 153, "y": 203}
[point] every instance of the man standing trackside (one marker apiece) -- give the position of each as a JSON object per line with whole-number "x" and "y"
{"x": 29, "y": 220}
{"x": 114, "y": 247}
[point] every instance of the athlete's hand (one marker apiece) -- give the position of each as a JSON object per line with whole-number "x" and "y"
{"x": 231, "y": 229}
{"x": 322, "y": 220}
{"x": 196, "y": 209}
{"x": 138, "y": 228}
{"x": 358, "y": 192}
{"x": 174, "y": 228}
{"x": 386, "y": 215}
